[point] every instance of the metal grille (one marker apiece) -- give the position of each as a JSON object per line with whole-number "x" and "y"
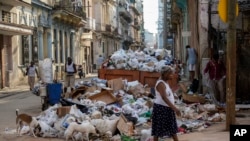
{"x": 9, "y": 17}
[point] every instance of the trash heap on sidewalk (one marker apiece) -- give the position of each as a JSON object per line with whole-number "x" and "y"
{"x": 120, "y": 110}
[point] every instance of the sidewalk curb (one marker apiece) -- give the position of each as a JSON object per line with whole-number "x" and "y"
{"x": 6, "y": 92}
{"x": 10, "y": 93}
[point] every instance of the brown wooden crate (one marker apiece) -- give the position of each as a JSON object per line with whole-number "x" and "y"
{"x": 149, "y": 78}
{"x": 109, "y": 74}
{"x": 105, "y": 96}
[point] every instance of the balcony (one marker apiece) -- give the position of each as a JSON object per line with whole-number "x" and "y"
{"x": 69, "y": 12}
{"x": 108, "y": 28}
{"x": 15, "y": 3}
{"x": 90, "y": 24}
{"x": 137, "y": 27}
{"x": 136, "y": 21}
{"x": 134, "y": 8}
{"x": 9, "y": 25}
{"x": 124, "y": 12}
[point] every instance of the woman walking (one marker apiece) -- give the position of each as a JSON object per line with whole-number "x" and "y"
{"x": 163, "y": 116}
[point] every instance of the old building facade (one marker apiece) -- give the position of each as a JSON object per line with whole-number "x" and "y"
{"x": 16, "y": 21}
{"x": 32, "y": 30}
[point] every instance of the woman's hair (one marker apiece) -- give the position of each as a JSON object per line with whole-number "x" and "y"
{"x": 166, "y": 69}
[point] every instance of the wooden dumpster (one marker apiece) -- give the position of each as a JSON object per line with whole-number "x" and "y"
{"x": 143, "y": 77}
{"x": 149, "y": 78}
{"x": 109, "y": 74}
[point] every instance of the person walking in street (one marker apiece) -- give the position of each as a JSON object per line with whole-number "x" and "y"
{"x": 163, "y": 115}
{"x": 80, "y": 72}
{"x": 191, "y": 57}
{"x": 70, "y": 70}
{"x": 217, "y": 73}
{"x": 100, "y": 60}
{"x": 31, "y": 72}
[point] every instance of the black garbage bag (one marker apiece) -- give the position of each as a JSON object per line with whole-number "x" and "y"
{"x": 129, "y": 117}
{"x": 66, "y": 102}
{"x": 194, "y": 86}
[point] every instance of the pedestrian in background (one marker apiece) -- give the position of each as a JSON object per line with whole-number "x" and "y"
{"x": 31, "y": 72}
{"x": 70, "y": 70}
{"x": 217, "y": 74}
{"x": 100, "y": 60}
{"x": 163, "y": 115}
{"x": 80, "y": 71}
{"x": 191, "y": 57}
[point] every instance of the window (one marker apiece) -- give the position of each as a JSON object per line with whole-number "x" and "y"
{"x": 60, "y": 46}
{"x": 6, "y": 16}
{"x": 25, "y": 50}
{"x": 55, "y": 46}
{"x": 102, "y": 47}
{"x": 34, "y": 47}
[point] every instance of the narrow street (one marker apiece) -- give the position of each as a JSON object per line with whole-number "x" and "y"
{"x": 20, "y": 98}
{"x": 31, "y": 104}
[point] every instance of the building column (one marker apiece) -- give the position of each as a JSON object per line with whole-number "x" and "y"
{"x": 58, "y": 53}
{"x": 63, "y": 46}
{"x": 31, "y": 48}
{"x": 68, "y": 44}
{"x": 72, "y": 49}
{"x": 49, "y": 39}
{"x": 40, "y": 43}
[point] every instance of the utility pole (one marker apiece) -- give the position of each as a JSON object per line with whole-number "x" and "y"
{"x": 209, "y": 29}
{"x": 165, "y": 24}
{"x": 231, "y": 64}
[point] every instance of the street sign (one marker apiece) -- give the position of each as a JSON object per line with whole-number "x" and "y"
{"x": 222, "y": 10}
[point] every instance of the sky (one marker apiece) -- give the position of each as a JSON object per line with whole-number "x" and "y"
{"x": 150, "y": 15}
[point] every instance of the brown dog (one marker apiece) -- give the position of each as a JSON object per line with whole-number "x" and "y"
{"x": 24, "y": 119}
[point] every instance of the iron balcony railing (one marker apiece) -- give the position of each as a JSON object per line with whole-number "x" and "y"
{"x": 72, "y": 6}
{"x": 8, "y": 17}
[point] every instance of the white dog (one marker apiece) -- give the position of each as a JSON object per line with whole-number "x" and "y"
{"x": 96, "y": 115}
{"x": 84, "y": 127}
{"x": 105, "y": 127}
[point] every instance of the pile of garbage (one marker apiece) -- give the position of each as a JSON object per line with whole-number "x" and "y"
{"x": 139, "y": 60}
{"x": 118, "y": 109}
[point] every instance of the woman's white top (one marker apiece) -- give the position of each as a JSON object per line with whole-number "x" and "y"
{"x": 70, "y": 68}
{"x": 169, "y": 94}
{"x": 32, "y": 71}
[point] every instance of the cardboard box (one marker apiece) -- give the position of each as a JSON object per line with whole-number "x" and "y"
{"x": 116, "y": 84}
{"x": 62, "y": 111}
{"x": 125, "y": 127}
{"x": 105, "y": 96}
